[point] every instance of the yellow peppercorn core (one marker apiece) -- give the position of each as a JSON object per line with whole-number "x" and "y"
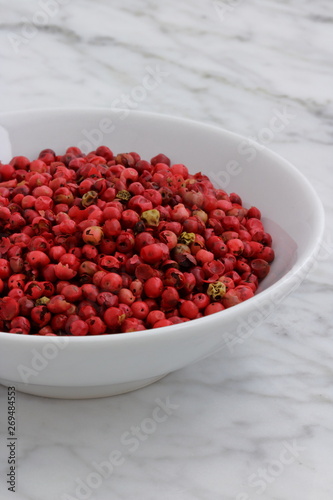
{"x": 123, "y": 195}
{"x": 151, "y": 217}
{"x": 186, "y": 238}
{"x": 216, "y": 290}
{"x": 43, "y": 301}
{"x": 190, "y": 181}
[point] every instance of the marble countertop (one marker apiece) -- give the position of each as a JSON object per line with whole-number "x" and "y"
{"x": 254, "y": 423}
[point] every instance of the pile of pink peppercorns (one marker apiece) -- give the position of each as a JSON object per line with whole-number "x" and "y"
{"x": 99, "y": 244}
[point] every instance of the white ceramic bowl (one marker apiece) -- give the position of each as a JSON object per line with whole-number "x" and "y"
{"x": 85, "y": 367}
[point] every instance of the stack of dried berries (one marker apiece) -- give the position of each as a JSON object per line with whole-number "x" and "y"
{"x": 94, "y": 244}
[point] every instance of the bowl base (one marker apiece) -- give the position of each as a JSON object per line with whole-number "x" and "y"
{"x": 69, "y": 392}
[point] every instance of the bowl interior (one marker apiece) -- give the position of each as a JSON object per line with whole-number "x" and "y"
{"x": 291, "y": 211}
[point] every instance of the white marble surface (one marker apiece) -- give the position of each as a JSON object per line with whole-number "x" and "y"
{"x": 255, "y": 423}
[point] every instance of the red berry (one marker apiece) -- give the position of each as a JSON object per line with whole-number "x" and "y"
{"x": 170, "y": 298}
{"x": 155, "y": 316}
{"x": 72, "y": 293}
{"x": 162, "y": 322}
{"x": 37, "y": 259}
{"x": 151, "y": 254}
{"x": 153, "y": 287}
{"x": 78, "y": 328}
{"x": 188, "y": 309}
{"x": 58, "y": 322}
{"x": 90, "y": 292}
{"x": 16, "y": 293}
{"x": 58, "y": 304}
{"x": 93, "y": 235}
{"x": 235, "y": 246}
{"x": 201, "y": 300}
{"x": 213, "y": 308}
{"x": 40, "y": 315}
{"x": 125, "y": 296}
{"x": 33, "y": 290}
{"x": 260, "y": 268}
{"x": 140, "y": 309}
{"x": 96, "y": 325}
{"x": 86, "y": 310}
{"x": 111, "y": 282}
{"x": 9, "y": 308}
{"x": 231, "y": 298}
{"x": 4, "y": 269}
{"x": 114, "y": 317}
{"x": 16, "y": 281}
{"x": 203, "y": 256}
{"x": 136, "y": 287}
{"x": 266, "y": 254}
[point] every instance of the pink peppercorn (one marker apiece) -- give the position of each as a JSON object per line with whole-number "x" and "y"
{"x": 260, "y": 268}
{"x": 231, "y": 298}
{"x": 95, "y": 325}
{"x": 79, "y": 328}
{"x": 97, "y": 230}
{"x": 266, "y": 254}
{"x": 37, "y": 259}
{"x": 40, "y": 315}
{"x": 155, "y": 316}
{"x": 136, "y": 287}
{"x": 113, "y": 317}
{"x": 201, "y": 300}
{"x": 93, "y": 235}
{"x": 58, "y": 304}
{"x": 16, "y": 293}
{"x": 161, "y": 323}
{"x": 4, "y": 269}
{"x": 153, "y": 287}
{"x": 16, "y": 281}
{"x": 203, "y": 256}
{"x": 111, "y": 282}
{"x": 235, "y": 246}
{"x": 64, "y": 272}
{"x": 9, "y": 308}
{"x": 58, "y": 322}
{"x": 132, "y": 325}
{"x": 90, "y": 292}
{"x": 170, "y": 298}
{"x": 140, "y": 309}
{"x": 213, "y": 308}
{"x": 72, "y": 293}
{"x": 151, "y": 254}
{"x": 188, "y": 309}
{"x": 125, "y": 296}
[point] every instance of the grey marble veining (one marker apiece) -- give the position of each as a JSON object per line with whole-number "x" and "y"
{"x": 253, "y": 423}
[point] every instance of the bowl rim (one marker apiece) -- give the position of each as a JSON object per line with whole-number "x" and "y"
{"x": 249, "y": 304}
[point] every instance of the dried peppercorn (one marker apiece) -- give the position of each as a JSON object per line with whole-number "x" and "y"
{"x": 101, "y": 244}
